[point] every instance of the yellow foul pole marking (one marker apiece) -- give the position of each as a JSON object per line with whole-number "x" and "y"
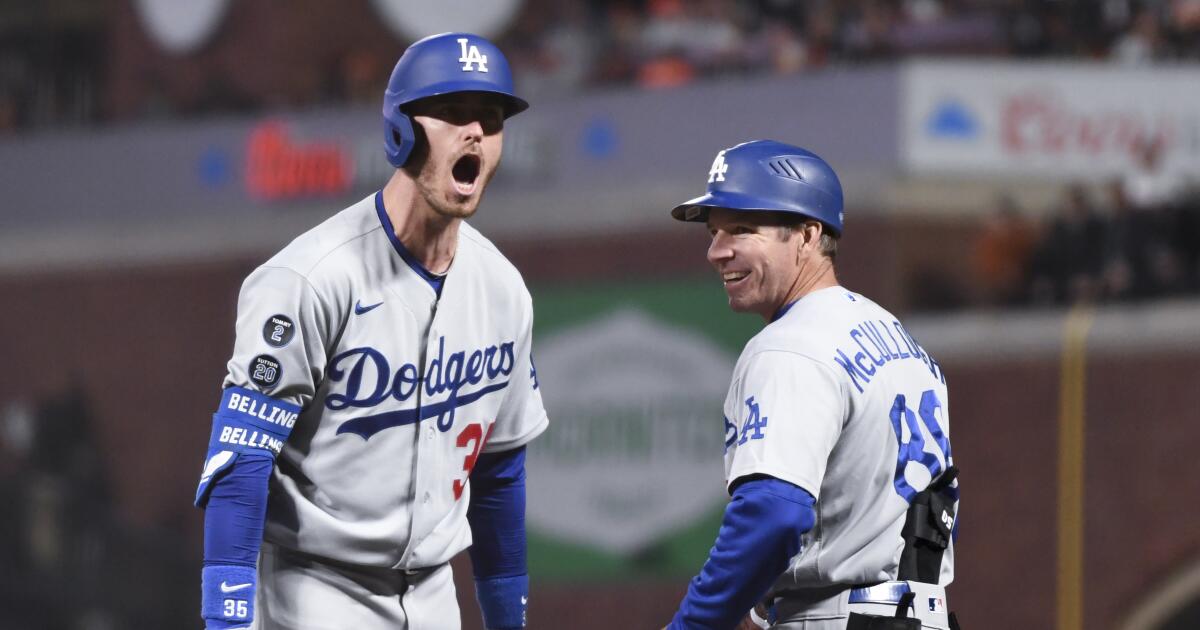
{"x": 1071, "y": 468}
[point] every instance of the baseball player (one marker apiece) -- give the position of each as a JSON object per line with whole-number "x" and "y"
{"x": 381, "y": 392}
{"x": 837, "y": 451}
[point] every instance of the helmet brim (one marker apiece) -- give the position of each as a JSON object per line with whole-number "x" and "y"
{"x": 513, "y": 105}
{"x": 697, "y": 209}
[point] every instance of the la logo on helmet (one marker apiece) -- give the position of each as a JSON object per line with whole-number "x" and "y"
{"x": 717, "y": 172}
{"x": 471, "y": 57}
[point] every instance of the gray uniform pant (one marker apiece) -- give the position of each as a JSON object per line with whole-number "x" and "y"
{"x": 298, "y": 592}
{"x": 830, "y": 609}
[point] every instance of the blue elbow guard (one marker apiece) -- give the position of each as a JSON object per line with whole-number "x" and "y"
{"x": 247, "y": 422}
{"x": 502, "y": 601}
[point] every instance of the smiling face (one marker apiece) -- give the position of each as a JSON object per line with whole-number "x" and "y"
{"x": 464, "y": 134}
{"x": 760, "y": 260}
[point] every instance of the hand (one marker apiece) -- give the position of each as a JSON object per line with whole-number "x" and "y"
{"x": 748, "y": 624}
{"x": 756, "y": 620}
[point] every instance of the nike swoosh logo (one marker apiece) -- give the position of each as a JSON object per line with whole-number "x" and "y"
{"x": 225, "y": 588}
{"x": 359, "y": 309}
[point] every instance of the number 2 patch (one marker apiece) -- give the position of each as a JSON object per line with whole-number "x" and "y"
{"x": 278, "y": 330}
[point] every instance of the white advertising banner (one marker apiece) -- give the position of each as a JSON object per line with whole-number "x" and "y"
{"x": 1048, "y": 120}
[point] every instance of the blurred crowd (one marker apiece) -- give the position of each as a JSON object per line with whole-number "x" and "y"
{"x": 1132, "y": 238}
{"x": 662, "y": 43}
{"x": 68, "y": 560}
{"x": 57, "y": 67}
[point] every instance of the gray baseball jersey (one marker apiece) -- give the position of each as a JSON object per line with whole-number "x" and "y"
{"x": 400, "y": 390}
{"x": 836, "y": 397}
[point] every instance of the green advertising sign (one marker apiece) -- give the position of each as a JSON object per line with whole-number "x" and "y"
{"x": 628, "y": 479}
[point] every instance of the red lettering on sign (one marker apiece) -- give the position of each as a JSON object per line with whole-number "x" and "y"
{"x": 1038, "y": 124}
{"x": 277, "y": 168}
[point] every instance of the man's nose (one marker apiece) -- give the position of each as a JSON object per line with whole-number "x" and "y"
{"x": 474, "y": 130}
{"x": 718, "y": 249}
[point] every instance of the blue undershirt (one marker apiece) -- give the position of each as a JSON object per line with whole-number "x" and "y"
{"x": 759, "y": 535}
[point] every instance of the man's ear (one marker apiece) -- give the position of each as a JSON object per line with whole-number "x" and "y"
{"x": 810, "y": 234}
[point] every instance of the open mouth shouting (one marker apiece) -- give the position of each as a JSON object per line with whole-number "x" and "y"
{"x": 465, "y": 174}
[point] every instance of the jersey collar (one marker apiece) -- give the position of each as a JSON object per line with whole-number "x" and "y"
{"x": 433, "y": 279}
{"x": 783, "y": 311}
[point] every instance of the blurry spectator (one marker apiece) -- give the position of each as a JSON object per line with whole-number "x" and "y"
{"x": 1185, "y": 27}
{"x": 561, "y": 47}
{"x": 1185, "y": 237}
{"x": 868, "y": 34}
{"x": 1068, "y": 260}
{"x": 681, "y": 40}
{"x": 927, "y": 27}
{"x": 1143, "y": 43}
{"x": 666, "y": 71}
{"x": 361, "y": 73}
{"x": 621, "y": 28}
{"x": 1002, "y": 254}
{"x": 1153, "y": 194}
{"x": 786, "y": 51}
{"x": 1151, "y": 186}
{"x": 56, "y": 499}
{"x": 570, "y": 47}
{"x": 1137, "y": 263}
{"x": 820, "y": 34}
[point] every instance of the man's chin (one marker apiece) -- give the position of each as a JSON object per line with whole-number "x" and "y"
{"x": 458, "y": 209}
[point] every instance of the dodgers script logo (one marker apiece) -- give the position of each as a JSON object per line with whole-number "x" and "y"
{"x": 444, "y": 373}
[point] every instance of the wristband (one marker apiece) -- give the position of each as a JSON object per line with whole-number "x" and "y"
{"x": 759, "y": 621}
{"x": 227, "y": 595}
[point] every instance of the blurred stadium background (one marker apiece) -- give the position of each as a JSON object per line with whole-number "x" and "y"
{"x": 1022, "y": 187}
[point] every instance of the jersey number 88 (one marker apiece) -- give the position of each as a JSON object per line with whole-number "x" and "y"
{"x": 914, "y": 449}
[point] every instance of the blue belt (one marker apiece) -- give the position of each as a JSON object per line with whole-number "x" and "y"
{"x": 886, "y": 593}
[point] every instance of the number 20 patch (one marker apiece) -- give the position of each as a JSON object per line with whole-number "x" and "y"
{"x": 265, "y": 370}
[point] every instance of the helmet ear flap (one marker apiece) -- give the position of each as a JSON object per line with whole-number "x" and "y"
{"x": 398, "y": 137}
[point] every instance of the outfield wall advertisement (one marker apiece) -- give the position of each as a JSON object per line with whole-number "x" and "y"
{"x": 630, "y": 477}
{"x": 1045, "y": 120}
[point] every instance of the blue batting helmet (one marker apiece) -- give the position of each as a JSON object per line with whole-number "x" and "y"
{"x": 442, "y": 64}
{"x": 769, "y": 176}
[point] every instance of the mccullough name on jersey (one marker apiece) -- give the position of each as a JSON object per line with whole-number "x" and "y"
{"x": 864, "y": 364}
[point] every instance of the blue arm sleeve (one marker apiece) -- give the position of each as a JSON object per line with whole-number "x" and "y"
{"x": 249, "y": 429}
{"x": 497, "y": 519}
{"x": 233, "y": 518}
{"x": 759, "y": 534}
